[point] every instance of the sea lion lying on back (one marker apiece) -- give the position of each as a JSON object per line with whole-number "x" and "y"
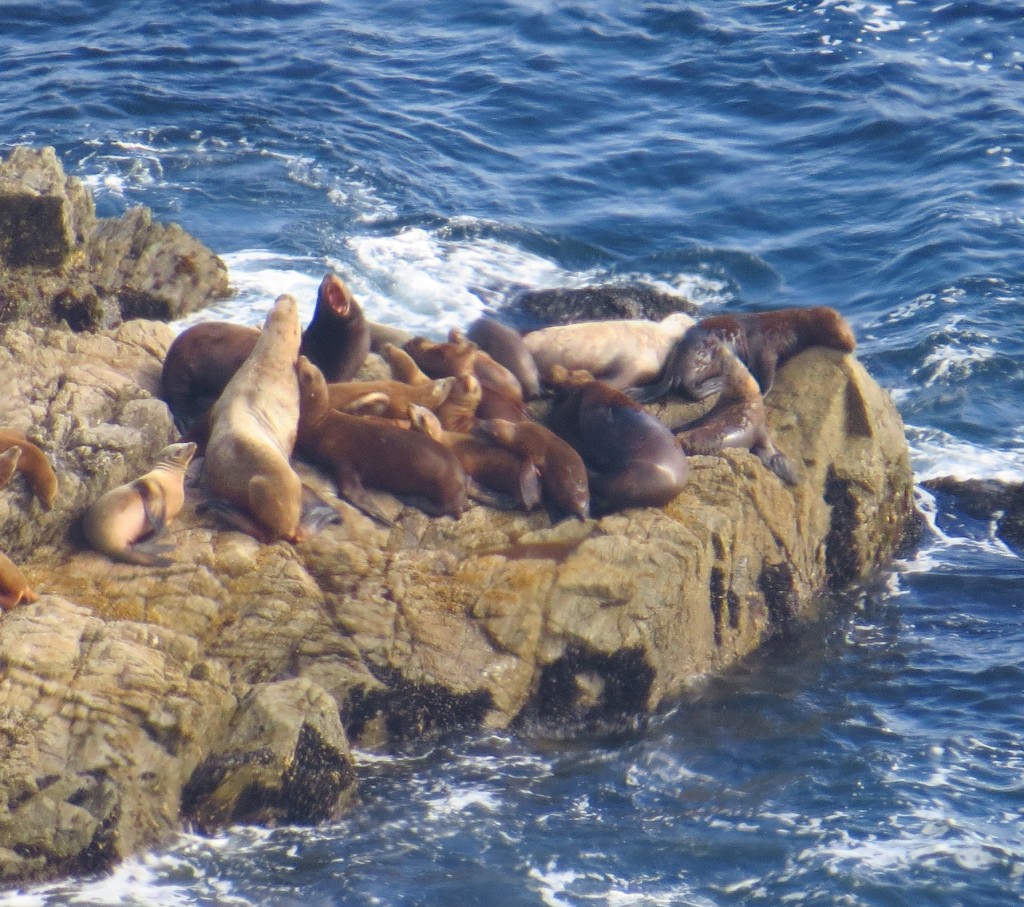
{"x": 622, "y": 353}
{"x": 253, "y": 427}
{"x": 203, "y": 358}
{"x": 120, "y": 518}
{"x": 737, "y": 419}
{"x": 762, "y": 340}
{"x": 632, "y": 458}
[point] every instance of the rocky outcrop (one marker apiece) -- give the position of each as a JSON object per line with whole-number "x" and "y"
{"x": 221, "y": 688}
{"x": 58, "y": 262}
{"x": 599, "y": 302}
{"x": 991, "y": 500}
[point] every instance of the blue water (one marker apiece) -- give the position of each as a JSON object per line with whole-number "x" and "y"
{"x": 442, "y": 156}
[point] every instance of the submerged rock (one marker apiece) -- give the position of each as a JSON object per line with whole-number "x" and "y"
{"x": 600, "y": 302}
{"x": 990, "y": 500}
{"x": 227, "y": 682}
{"x": 61, "y": 263}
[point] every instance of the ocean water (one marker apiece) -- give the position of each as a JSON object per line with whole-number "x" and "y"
{"x": 443, "y": 156}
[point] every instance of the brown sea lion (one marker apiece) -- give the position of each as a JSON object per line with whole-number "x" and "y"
{"x": 762, "y": 340}
{"x": 632, "y": 457}
{"x": 360, "y": 452}
{"x": 491, "y": 465}
{"x": 388, "y": 398}
{"x": 253, "y": 428}
{"x": 563, "y": 475}
{"x": 458, "y": 412}
{"x": 33, "y": 464}
{"x": 204, "y": 357}
{"x": 622, "y": 353}
{"x": 8, "y": 463}
{"x": 14, "y": 588}
{"x": 501, "y": 394}
{"x": 737, "y": 419}
{"x": 505, "y": 345}
{"x": 125, "y": 522}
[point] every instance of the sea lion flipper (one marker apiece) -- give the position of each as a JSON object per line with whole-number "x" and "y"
{"x": 234, "y": 517}
{"x": 351, "y": 488}
{"x": 8, "y": 463}
{"x": 529, "y": 485}
{"x": 317, "y": 513}
{"x": 154, "y": 503}
{"x": 373, "y": 403}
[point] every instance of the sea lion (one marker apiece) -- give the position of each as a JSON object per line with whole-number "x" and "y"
{"x": 8, "y": 463}
{"x": 33, "y": 464}
{"x": 402, "y": 365}
{"x": 505, "y": 345}
{"x": 737, "y": 419}
{"x": 563, "y": 475}
{"x": 632, "y": 457}
{"x": 383, "y": 334}
{"x": 501, "y": 394}
{"x": 14, "y": 588}
{"x": 361, "y": 452}
{"x": 253, "y": 429}
{"x": 491, "y": 465}
{"x": 203, "y": 358}
{"x": 762, "y": 340}
{"x": 390, "y": 399}
{"x": 140, "y": 510}
{"x": 337, "y": 337}
{"x": 459, "y": 410}
{"x": 621, "y": 353}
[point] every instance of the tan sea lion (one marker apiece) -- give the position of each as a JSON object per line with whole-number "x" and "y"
{"x": 491, "y": 465}
{"x": 14, "y": 588}
{"x": 622, "y": 353}
{"x": 8, "y": 463}
{"x": 762, "y": 340}
{"x": 253, "y": 429}
{"x": 204, "y": 357}
{"x": 33, "y": 464}
{"x": 361, "y": 452}
{"x": 737, "y": 419}
{"x": 506, "y": 346}
{"x": 402, "y": 365}
{"x": 563, "y": 475}
{"x": 383, "y": 334}
{"x": 390, "y": 399}
{"x": 632, "y": 457}
{"x": 125, "y": 522}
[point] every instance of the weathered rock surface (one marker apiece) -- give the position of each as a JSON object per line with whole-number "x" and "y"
{"x": 215, "y": 682}
{"x": 58, "y": 262}
{"x": 989, "y": 500}
{"x": 599, "y": 302}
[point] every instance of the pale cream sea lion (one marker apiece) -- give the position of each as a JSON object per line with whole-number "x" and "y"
{"x": 125, "y": 522}
{"x": 622, "y": 353}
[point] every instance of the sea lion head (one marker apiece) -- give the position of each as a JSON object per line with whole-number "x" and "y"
{"x": 313, "y": 397}
{"x": 829, "y": 328}
{"x": 335, "y": 296}
{"x": 177, "y": 456}
{"x": 423, "y": 420}
{"x": 282, "y": 322}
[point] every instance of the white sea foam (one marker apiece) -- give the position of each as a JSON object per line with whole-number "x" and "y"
{"x": 874, "y": 17}
{"x": 935, "y": 453}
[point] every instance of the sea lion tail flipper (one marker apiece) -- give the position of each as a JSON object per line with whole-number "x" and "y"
{"x": 144, "y": 554}
{"x": 233, "y": 517}
{"x": 317, "y": 513}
